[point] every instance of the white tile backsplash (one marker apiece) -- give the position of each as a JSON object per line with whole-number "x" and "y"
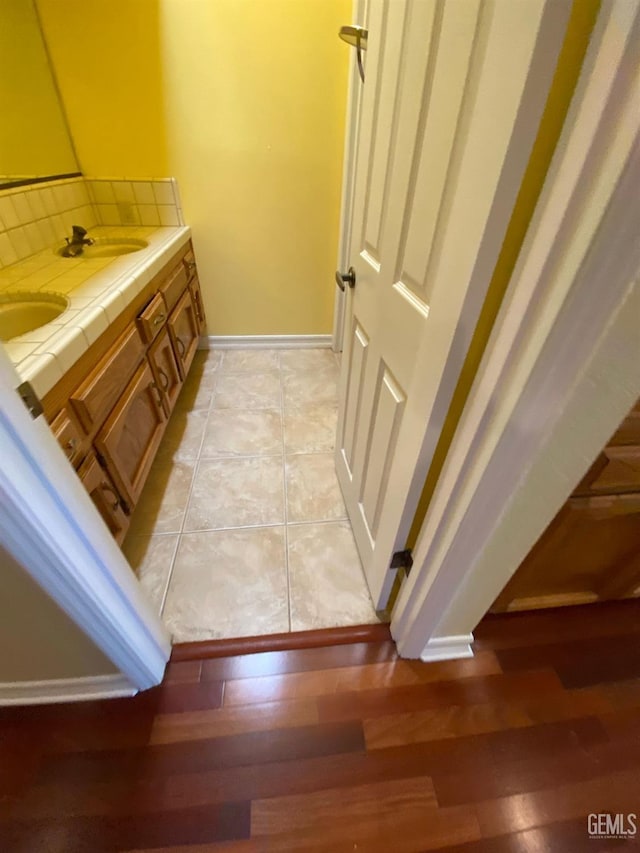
{"x": 35, "y": 217}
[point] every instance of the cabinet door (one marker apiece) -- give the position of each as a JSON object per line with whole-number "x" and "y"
{"x": 104, "y": 494}
{"x": 130, "y": 437}
{"x": 183, "y": 328}
{"x": 165, "y": 370}
{"x": 589, "y": 552}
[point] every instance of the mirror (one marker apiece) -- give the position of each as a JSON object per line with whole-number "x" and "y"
{"x": 35, "y": 144}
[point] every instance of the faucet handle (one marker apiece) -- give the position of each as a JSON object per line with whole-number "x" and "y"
{"x": 78, "y": 231}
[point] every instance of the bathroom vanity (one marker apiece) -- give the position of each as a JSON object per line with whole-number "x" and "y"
{"x": 110, "y": 408}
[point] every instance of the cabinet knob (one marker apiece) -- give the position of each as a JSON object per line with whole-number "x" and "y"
{"x": 107, "y": 488}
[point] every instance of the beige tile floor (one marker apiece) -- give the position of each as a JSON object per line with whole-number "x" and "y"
{"x": 241, "y": 528}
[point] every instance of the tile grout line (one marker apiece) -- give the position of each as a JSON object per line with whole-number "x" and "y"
{"x": 188, "y": 500}
{"x": 286, "y": 495}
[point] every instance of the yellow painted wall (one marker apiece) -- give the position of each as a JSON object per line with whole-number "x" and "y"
{"x": 244, "y": 102}
{"x": 33, "y": 133}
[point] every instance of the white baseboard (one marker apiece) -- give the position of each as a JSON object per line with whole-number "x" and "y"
{"x": 65, "y": 690}
{"x": 448, "y": 648}
{"x": 264, "y": 341}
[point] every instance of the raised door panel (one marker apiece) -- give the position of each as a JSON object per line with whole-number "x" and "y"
{"x": 130, "y": 437}
{"x": 95, "y": 397}
{"x": 590, "y": 552}
{"x": 165, "y": 370}
{"x": 183, "y": 328}
{"x": 104, "y": 494}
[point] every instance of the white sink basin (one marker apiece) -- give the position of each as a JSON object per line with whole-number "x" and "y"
{"x": 108, "y": 247}
{"x": 24, "y": 312}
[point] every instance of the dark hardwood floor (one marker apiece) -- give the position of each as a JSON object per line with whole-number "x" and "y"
{"x": 346, "y": 749}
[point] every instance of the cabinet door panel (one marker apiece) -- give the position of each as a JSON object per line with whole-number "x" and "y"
{"x": 183, "y": 328}
{"x": 165, "y": 370}
{"x": 130, "y": 437}
{"x": 104, "y": 494}
{"x": 589, "y": 552}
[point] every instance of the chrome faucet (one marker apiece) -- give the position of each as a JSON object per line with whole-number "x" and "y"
{"x": 77, "y": 242}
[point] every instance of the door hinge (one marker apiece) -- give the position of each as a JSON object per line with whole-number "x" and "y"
{"x": 402, "y": 560}
{"x": 30, "y": 399}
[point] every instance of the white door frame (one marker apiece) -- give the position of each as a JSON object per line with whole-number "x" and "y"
{"x": 568, "y": 334}
{"x": 49, "y": 524}
{"x": 352, "y": 125}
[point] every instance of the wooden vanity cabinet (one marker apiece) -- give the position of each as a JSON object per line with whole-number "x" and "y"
{"x": 591, "y": 550}
{"x": 184, "y": 330}
{"x": 129, "y": 439}
{"x": 165, "y": 370}
{"x": 105, "y": 496}
{"x": 113, "y": 405}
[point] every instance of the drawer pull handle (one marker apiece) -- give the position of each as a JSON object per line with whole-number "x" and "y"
{"x": 191, "y": 265}
{"x": 155, "y": 388}
{"x": 71, "y": 446}
{"x": 164, "y": 379}
{"x": 181, "y": 347}
{"x": 107, "y": 488}
{"x": 159, "y": 319}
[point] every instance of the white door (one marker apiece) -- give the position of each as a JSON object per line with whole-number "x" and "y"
{"x": 452, "y": 99}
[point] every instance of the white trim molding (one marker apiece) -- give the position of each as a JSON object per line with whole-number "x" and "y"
{"x": 50, "y": 526}
{"x": 265, "y": 342}
{"x": 562, "y": 367}
{"x": 448, "y": 648}
{"x": 66, "y": 690}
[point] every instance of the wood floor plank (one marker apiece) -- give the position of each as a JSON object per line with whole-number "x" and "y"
{"x": 615, "y": 792}
{"x": 98, "y": 834}
{"x": 325, "y": 749}
{"x": 493, "y": 689}
{"x": 213, "y": 753}
{"x": 199, "y": 725}
{"x": 557, "y": 625}
{"x": 400, "y": 815}
{"x": 332, "y": 681}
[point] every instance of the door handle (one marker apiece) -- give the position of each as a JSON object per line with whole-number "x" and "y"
{"x": 346, "y": 278}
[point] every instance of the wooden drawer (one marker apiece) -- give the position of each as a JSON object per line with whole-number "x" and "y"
{"x": 69, "y": 436}
{"x": 151, "y": 320}
{"x": 97, "y": 395}
{"x": 173, "y": 286}
{"x": 105, "y": 496}
{"x": 615, "y": 471}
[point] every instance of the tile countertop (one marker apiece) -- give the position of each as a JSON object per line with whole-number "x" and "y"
{"x": 97, "y": 290}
